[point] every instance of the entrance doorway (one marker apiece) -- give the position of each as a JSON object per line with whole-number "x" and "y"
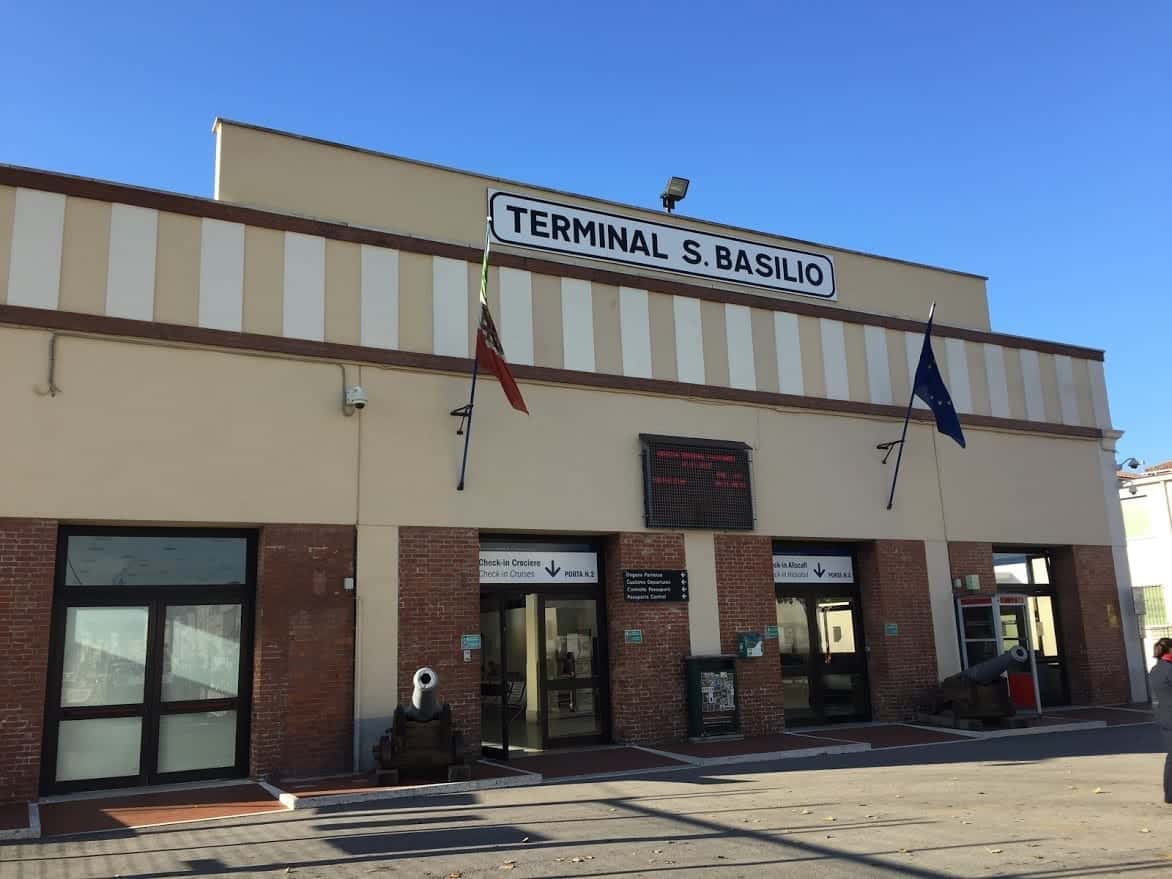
{"x": 1028, "y": 572}
{"x": 823, "y": 664}
{"x": 543, "y": 671}
{"x": 150, "y": 659}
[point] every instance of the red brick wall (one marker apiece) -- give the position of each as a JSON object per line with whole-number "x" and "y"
{"x": 893, "y": 577}
{"x": 303, "y": 659}
{"x": 647, "y": 685}
{"x": 973, "y": 558}
{"x": 28, "y": 548}
{"x": 439, "y": 600}
{"x": 1092, "y": 633}
{"x": 746, "y": 602}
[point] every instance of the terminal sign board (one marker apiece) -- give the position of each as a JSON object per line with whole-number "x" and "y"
{"x": 534, "y": 566}
{"x": 801, "y": 568}
{"x": 546, "y": 225}
{"x": 696, "y": 484}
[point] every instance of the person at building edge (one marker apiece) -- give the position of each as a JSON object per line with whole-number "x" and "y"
{"x": 1161, "y": 678}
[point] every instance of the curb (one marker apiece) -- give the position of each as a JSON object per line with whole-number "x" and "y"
{"x": 33, "y": 831}
{"x": 292, "y": 801}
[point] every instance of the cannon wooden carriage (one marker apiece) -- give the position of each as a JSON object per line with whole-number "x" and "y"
{"x": 421, "y": 742}
{"x": 978, "y": 696}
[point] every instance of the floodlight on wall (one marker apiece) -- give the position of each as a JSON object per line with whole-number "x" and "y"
{"x": 1128, "y": 464}
{"x": 675, "y": 190}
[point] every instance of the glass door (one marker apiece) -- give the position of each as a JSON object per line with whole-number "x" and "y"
{"x": 823, "y": 664}
{"x": 573, "y": 671}
{"x": 150, "y": 670}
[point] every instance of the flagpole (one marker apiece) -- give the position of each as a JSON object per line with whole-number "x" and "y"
{"x": 907, "y": 416}
{"x": 465, "y": 412}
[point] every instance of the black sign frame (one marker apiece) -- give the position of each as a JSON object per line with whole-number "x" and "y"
{"x": 648, "y": 584}
{"x": 694, "y": 502}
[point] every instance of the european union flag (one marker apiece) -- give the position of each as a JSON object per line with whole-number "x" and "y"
{"x": 929, "y": 387}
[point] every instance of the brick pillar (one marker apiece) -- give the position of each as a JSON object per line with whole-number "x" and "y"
{"x": 647, "y": 686}
{"x": 439, "y": 600}
{"x": 28, "y": 549}
{"x": 894, "y": 589}
{"x": 1092, "y": 635}
{"x": 747, "y": 603}
{"x": 973, "y": 558}
{"x": 303, "y": 659}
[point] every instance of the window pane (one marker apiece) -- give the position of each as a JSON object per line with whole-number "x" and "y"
{"x": 105, "y": 656}
{"x": 116, "y": 560}
{"x": 105, "y": 747}
{"x": 1137, "y": 520}
{"x": 201, "y": 652}
{"x": 1040, "y": 569}
{"x": 573, "y": 713}
{"x": 569, "y": 638}
{"x": 793, "y": 630}
{"x": 197, "y": 741}
{"x": 1010, "y": 568}
{"x": 836, "y": 626}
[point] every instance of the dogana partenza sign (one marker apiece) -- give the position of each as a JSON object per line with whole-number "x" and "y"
{"x": 545, "y": 225}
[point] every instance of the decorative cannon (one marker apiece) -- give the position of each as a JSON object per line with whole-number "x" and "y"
{"x": 979, "y": 692}
{"x": 421, "y": 741}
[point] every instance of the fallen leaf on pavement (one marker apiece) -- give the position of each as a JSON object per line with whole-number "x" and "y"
{"x": 995, "y": 851}
{"x": 455, "y": 876}
{"x": 805, "y": 811}
{"x": 1144, "y": 830}
{"x": 828, "y": 818}
{"x": 508, "y": 866}
{"x": 524, "y": 839}
{"x": 1099, "y": 790}
{"x": 575, "y": 860}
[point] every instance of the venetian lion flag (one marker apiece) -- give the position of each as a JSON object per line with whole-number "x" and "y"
{"x": 490, "y": 354}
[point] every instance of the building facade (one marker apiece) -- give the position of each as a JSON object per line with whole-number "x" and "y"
{"x": 1146, "y": 498}
{"x": 209, "y": 566}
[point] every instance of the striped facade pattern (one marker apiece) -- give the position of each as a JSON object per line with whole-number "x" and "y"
{"x": 90, "y": 257}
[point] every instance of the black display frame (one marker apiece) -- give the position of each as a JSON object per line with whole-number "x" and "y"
{"x": 743, "y": 519}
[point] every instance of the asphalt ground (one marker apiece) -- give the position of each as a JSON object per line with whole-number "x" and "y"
{"x": 1076, "y": 804}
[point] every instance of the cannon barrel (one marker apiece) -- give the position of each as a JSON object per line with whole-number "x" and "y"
{"x": 987, "y": 671}
{"x": 423, "y": 697}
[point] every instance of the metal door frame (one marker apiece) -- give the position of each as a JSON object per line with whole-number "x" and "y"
{"x": 601, "y": 678}
{"x": 994, "y": 602}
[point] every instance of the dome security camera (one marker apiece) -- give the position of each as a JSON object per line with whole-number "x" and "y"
{"x": 356, "y": 397}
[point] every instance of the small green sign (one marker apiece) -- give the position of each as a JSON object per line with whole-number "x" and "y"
{"x": 632, "y": 636}
{"x": 749, "y": 645}
{"x": 771, "y": 633}
{"x": 891, "y": 629}
{"x": 469, "y": 642}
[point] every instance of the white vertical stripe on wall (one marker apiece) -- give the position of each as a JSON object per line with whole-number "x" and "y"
{"x": 914, "y": 342}
{"x": 130, "y": 278}
{"x": 635, "y": 332}
{"x": 34, "y": 271}
{"x": 221, "y": 275}
{"x": 789, "y": 353}
{"x": 380, "y": 297}
{"x": 834, "y": 358}
{"x": 738, "y": 332}
{"x": 516, "y": 318}
{"x": 1067, "y": 393}
{"x": 1031, "y": 372}
{"x": 1099, "y": 393}
{"x": 878, "y": 367}
{"x": 998, "y": 384}
{"x": 577, "y": 324}
{"x": 689, "y": 340}
{"x": 449, "y": 303}
{"x": 303, "y": 305}
{"x": 959, "y": 387}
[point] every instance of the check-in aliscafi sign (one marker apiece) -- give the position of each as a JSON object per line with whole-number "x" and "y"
{"x": 561, "y": 228}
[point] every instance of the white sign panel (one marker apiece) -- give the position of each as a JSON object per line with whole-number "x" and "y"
{"x": 813, "y": 569}
{"x": 532, "y": 566}
{"x": 546, "y": 225}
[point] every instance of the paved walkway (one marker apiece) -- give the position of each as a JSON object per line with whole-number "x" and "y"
{"x": 1045, "y": 806}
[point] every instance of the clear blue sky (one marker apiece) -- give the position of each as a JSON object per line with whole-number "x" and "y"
{"x": 1030, "y": 142}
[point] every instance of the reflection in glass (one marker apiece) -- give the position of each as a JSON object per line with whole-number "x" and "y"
{"x": 573, "y": 713}
{"x": 569, "y": 638}
{"x": 104, "y": 747}
{"x": 836, "y": 626}
{"x": 793, "y": 641}
{"x": 201, "y": 652}
{"x": 104, "y": 657}
{"x": 121, "y": 560}
{"x": 793, "y": 630}
{"x": 197, "y": 741}
{"x": 491, "y": 721}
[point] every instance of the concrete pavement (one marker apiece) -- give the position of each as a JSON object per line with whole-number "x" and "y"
{"x": 1046, "y": 807}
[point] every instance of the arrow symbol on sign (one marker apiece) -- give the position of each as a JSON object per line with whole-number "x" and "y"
{"x": 553, "y": 569}
{"x": 819, "y": 571}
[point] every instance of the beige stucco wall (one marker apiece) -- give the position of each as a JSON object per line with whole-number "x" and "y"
{"x": 300, "y": 176}
{"x": 266, "y": 295}
{"x": 147, "y": 432}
